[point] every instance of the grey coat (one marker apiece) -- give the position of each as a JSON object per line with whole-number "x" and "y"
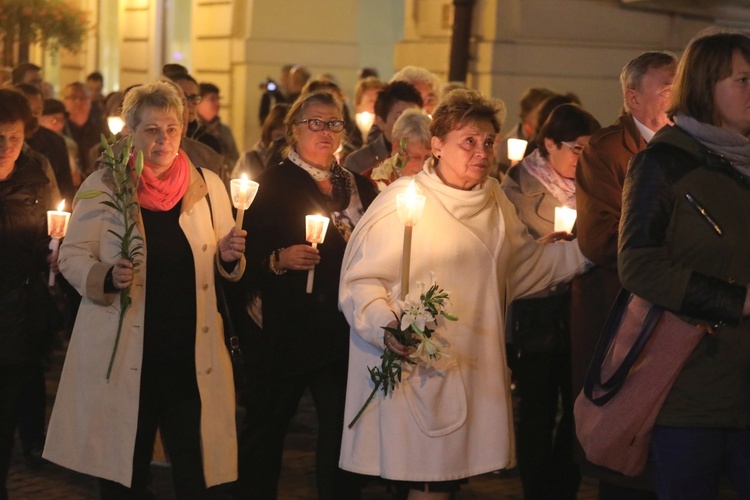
{"x": 368, "y": 156}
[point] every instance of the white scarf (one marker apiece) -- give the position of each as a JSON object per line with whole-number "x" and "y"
{"x": 316, "y": 173}
{"x": 564, "y": 190}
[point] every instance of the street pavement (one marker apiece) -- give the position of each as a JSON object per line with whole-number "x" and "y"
{"x": 50, "y": 482}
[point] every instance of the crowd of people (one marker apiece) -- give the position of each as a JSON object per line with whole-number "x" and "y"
{"x": 153, "y": 251}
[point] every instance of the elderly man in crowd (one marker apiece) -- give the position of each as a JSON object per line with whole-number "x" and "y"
{"x": 426, "y": 82}
{"x": 646, "y": 86}
{"x": 28, "y": 73}
{"x": 84, "y": 124}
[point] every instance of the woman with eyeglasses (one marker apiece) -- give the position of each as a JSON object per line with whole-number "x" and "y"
{"x": 305, "y": 336}
{"x": 538, "y": 327}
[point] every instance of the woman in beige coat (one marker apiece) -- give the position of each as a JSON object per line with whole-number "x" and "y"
{"x": 171, "y": 369}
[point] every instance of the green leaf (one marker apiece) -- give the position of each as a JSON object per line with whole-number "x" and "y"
{"x": 138, "y": 167}
{"x": 87, "y": 195}
{"x": 118, "y": 236}
{"x": 105, "y": 144}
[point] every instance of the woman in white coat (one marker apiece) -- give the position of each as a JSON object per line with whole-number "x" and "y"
{"x": 171, "y": 369}
{"x": 452, "y": 421}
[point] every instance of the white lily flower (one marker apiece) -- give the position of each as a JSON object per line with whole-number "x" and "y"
{"x": 427, "y": 351}
{"x": 415, "y": 316}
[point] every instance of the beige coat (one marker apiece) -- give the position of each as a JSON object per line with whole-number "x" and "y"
{"x": 94, "y": 421}
{"x": 454, "y": 420}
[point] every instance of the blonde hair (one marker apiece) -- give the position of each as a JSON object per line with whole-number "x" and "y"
{"x": 300, "y": 106}
{"x": 158, "y": 95}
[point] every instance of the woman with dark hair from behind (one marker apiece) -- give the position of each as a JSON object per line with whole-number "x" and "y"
{"x": 255, "y": 161}
{"x": 684, "y": 246}
{"x": 538, "y": 327}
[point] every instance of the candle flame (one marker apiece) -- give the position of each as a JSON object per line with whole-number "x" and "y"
{"x": 61, "y": 206}
{"x": 411, "y": 190}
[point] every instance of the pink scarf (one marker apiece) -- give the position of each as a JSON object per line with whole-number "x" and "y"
{"x": 161, "y": 195}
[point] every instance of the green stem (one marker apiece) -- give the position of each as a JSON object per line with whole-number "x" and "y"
{"x": 124, "y": 304}
{"x": 372, "y": 395}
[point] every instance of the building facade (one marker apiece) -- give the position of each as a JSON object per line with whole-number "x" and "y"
{"x": 575, "y": 46}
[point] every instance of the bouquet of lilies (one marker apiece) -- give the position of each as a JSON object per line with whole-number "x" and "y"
{"x": 124, "y": 182}
{"x": 413, "y": 330}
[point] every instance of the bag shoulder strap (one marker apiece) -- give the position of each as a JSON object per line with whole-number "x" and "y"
{"x": 612, "y": 385}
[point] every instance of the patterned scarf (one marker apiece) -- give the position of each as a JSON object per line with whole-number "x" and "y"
{"x": 161, "y": 195}
{"x": 564, "y": 190}
{"x": 731, "y": 145}
{"x": 340, "y": 179}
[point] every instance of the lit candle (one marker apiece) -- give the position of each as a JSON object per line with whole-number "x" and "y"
{"x": 565, "y": 219}
{"x": 57, "y": 226}
{"x": 115, "y": 124}
{"x": 516, "y": 149}
{"x": 243, "y": 194}
{"x": 364, "y": 120}
{"x": 315, "y": 232}
{"x": 409, "y": 206}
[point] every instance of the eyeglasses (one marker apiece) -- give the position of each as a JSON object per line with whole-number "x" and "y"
{"x": 316, "y": 125}
{"x": 575, "y": 147}
{"x": 194, "y": 98}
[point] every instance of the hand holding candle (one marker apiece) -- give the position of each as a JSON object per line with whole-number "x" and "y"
{"x": 57, "y": 226}
{"x": 565, "y": 219}
{"x": 409, "y": 206}
{"x": 315, "y": 232}
{"x": 243, "y": 194}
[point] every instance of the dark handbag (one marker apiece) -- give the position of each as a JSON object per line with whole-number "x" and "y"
{"x": 231, "y": 339}
{"x": 638, "y": 358}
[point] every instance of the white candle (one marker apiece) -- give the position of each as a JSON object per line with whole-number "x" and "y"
{"x": 243, "y": 194}
{"x": 565, "y": 219}
{"x": 364, "y": 121}
{"x": 315, "y": 232}
{"x": 516, "y": 149}
{"x": 57, "y": 226}
{"x": 409, "y": 207}
{"x": 115, "y": 124}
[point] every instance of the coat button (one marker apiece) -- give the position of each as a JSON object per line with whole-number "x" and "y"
{"x": 209, "y": 370}
{"x": 190, "y": 212}
{"x": 205, "y": 286}
{"x": 205, "y": 247}
{"x": 204, "y": 329}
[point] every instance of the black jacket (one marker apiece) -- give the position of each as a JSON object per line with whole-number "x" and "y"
{"x": 24, "y": 299}
{"x": 53, "y": 146}
{"x": 685, "y": 245}
{"x": 301, "y": 331}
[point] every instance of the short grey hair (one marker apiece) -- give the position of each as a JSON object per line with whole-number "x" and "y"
{"x": 416, "y": 74}
{"x": 634, "y": 71}
{"x": 158, "y": 95}
{"x": 414, "y": 125}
